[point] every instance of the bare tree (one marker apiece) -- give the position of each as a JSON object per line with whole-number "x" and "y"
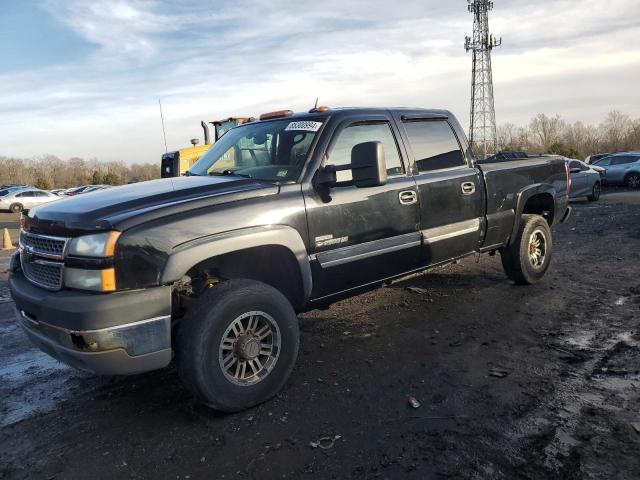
{"x": 52, "y": 172}
{"x": 547, "y": 131}
{"x": 544, "y": 134}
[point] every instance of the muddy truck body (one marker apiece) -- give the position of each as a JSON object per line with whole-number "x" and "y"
{"x": 284, "y": 214}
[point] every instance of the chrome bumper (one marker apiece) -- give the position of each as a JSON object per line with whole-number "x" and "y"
{"x": 129, "y": 348}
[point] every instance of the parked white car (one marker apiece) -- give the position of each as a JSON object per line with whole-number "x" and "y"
{"x": 18, "y": 200}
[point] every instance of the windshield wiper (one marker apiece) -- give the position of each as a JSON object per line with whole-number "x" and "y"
{"x": 189, "y": 173}
{"x": 226, "y": 173}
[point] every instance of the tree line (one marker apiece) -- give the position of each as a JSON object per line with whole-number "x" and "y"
{"x": 49, "y": 172}
{"x": 618, "y": 132}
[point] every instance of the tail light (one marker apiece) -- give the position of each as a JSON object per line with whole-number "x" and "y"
{"x": 568, "y": 170}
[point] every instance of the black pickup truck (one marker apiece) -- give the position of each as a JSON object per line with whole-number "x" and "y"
{"x": 284, "y": 214}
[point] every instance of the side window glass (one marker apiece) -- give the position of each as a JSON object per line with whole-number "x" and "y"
{"x": 575, "y": 165}
{"x": 365, "y": 132}
{"x": 621, "y": 160}
{"x": 434, "y": 145}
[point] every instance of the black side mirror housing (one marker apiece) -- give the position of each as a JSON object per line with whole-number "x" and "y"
{"x": 368, "y": 165}
{"x": 327, "y": 176}
{"x": 368, "y": 168}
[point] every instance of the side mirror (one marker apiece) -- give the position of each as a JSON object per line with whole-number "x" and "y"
{"x": 368, "y": 168}
{"x": 368, "y": 165}
{"x": 575, "y": 170}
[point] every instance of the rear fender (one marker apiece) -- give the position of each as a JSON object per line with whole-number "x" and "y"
{"x": 523, "y": 197}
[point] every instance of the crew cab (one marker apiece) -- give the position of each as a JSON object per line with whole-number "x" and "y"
{"x": 282, "y": 215}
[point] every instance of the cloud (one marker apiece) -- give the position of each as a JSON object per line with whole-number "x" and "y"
{"x": 121, "y": 28}
{"x": 207, "y": 60}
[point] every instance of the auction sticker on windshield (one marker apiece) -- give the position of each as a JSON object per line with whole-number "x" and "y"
{"x": 304, "y": 126}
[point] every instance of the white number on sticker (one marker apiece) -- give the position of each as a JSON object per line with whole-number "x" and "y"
{"x": 304, "y": 126}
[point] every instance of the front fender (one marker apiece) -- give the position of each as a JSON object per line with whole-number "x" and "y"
{"x": 187, "y": 255}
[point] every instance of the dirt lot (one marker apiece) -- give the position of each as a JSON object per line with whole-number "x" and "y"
{"x": 515, "y": 382}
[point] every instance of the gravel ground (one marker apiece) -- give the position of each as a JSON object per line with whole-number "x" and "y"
{"x": 514, "y": 383}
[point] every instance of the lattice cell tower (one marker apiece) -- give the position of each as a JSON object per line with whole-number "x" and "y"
{"x": 483, "y": 114}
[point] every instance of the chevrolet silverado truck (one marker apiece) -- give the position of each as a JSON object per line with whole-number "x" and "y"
{"x": 284, "y": 214}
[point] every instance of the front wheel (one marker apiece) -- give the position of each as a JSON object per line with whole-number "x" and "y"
{"x": 595, "y": 192}
{"x": 237, "y": 347}
{"x": 633, "y": 181}
{"x": 528, "y": 257}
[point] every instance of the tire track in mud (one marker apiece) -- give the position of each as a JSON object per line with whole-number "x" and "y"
{"x": 588, "y": 400}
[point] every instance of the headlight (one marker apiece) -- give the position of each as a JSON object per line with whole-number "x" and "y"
{"x": 97, "y": 280}
{"x": 98, "y": 245}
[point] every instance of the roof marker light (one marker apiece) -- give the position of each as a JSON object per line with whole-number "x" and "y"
{"x": 320, "y": 109}
{"x": 278, "y": 114}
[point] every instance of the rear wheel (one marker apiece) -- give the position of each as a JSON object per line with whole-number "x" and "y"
{"x": 527, "y": 259}
{"x": 595, "y": 192}
{"x": 633, "y": 180}
{"x": 237, "y": 347}
{"x": 16, "y": 207}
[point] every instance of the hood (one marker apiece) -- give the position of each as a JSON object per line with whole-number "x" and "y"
{"x": 122, "y": 207}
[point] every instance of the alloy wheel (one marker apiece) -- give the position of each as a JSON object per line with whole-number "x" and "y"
{"x": 537, "y": 249}
{"x": 249, "y": 348}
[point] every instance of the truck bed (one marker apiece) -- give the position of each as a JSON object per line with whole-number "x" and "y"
{"x": 502, "y": 181}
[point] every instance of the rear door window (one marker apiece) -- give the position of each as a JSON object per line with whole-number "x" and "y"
{"x": 621, "y": 160}
{"x": 434, "y": 145}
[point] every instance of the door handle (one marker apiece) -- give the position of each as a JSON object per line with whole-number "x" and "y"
{"x": 468, "y": 188}
{"x": 408, "y": 197}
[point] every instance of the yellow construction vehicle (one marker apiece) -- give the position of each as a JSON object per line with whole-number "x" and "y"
{"x": 174, "y": 164}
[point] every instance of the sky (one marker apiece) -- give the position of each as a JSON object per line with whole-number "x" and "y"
{"x": 83, "y": 78}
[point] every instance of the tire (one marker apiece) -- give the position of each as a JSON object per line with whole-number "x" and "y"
{"x": 517, "y": 262}
{"x": 632, "y": 181}
{"x": 202, "y": 354}
{"x": 16, "y": 208}
{"x": 595, "y": 192}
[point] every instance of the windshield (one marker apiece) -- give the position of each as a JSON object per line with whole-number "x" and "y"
{"x": 224, "y": 127}
{"x": 274, "y": 151}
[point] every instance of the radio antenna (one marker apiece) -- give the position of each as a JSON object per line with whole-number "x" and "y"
{"x": 164, "y": 133}
{"x": 316, "y": 105}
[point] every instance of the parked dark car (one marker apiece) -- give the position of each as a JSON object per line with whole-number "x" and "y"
{"x": 586, "y": 180}
{"x": 94, "y": 188}
{"x": 282, "y": 215}
{"x": 77, "y": 190}
{"x": 621, "y": 169}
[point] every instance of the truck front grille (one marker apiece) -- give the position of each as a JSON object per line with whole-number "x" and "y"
{"x": 43, "y": 245}
{"x": 42, "y": 273}
{"x": 42, "y": 259}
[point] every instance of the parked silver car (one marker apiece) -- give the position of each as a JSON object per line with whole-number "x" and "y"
{"x": 592, "y": 159}
{"x": 18, "y": 200}
{"x": 586, "y": 180}
{"x": 621, "y": 169}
